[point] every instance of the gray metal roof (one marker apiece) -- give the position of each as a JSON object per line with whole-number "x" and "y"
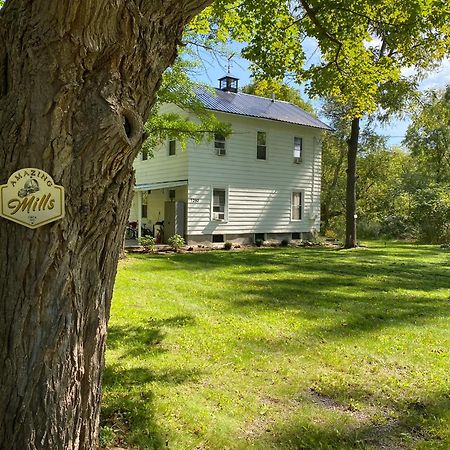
{"x": 254, "y": 106}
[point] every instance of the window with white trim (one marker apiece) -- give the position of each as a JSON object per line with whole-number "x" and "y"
{"x": 219, "y": 204}
{"x": 219, "y": 144}
{"x": 298, "y": 149}
{"x": 261, "y": 145}
{"x": 296, "y": 205}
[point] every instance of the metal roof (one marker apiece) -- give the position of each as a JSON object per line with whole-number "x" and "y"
{"x": 261, "y": 107}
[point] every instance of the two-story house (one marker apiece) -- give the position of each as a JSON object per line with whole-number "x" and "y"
{"x": 261, "y": 182}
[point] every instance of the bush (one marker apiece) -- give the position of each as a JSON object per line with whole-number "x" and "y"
{"x": 284, "y": 242}
{"x": 431, "y": 214}
{"x": 259, "y": 242}
{"x": 227, "y": 246}
{"x": 148, "y": 242}
{"x": 397, "y": 226}
{"x": 176, "y": 241}
{"x": 107, "y": 436}
{"x": 368, "y": 229}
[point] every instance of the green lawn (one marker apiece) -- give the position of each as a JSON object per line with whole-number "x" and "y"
{"x": 281, "y": 349}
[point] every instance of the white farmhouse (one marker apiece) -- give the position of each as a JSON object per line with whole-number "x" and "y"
{"x": 261, "y": 182}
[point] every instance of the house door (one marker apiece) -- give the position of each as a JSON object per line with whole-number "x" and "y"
{"x": 174, "y": 219}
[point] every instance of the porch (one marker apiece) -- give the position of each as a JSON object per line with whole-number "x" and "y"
{"x": 159, "y": 210}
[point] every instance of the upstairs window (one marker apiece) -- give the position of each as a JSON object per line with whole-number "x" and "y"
{"x": 219, "y": 144}
{"x": 219, "y": 204}
{"x": 298, "y": 149}
{"x": 296, "y": 206}
{"x": 261, "y": 147}
{"x": 172, "y": 147}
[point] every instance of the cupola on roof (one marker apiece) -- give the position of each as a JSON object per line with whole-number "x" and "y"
{"x": 229, "y": 83}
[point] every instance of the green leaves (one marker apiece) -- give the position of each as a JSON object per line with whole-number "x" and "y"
{"x": 178, "y": 89}
{"x": 428, "y": 136}
{"x": 363, "y": 44}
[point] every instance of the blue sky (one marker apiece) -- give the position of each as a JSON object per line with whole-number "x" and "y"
{"x": 213, "y": 68}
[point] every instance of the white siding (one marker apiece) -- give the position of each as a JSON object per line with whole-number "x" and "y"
{"x": 259, "y": 192}
{"x": 163, "y": 167}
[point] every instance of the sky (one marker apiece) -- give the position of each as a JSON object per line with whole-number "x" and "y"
{"x": 214, "y": 68}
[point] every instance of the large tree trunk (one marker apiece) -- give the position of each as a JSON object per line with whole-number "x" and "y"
{"x": 327, "y": 214}
{"x": 350, "y": 231}
{"x": 77, "y": 80}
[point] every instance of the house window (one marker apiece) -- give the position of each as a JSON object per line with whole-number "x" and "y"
{"x": 219, "y": 144}
{"x": 219, "y": 204}
{"x": 218, "y": 238}
{"x": 172, "y": 147}
{"x": 261, "y": 147}
{"x": 260, "y": 237}
{"x": 298, "y": 149}
{"x": 296, "y": 206}
{"x": 296, "y": 236}
{"x": 144, "y": 211}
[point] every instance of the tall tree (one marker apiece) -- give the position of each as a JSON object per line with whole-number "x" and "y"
{"x": 428, "y": 136}
{"x": 77, "y": 81}
{"x": 364, "y": 46}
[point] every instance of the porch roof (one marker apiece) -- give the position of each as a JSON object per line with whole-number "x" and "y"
{"x": 160, "y": 185}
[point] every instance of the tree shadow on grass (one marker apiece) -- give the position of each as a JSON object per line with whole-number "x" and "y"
{"x": 146, "y": 337}
{"x": 348, "y": 313}
{"x": 287, "y": 257}
{"x": 332, "y": 423}
{"x": 354, "y": 295}
{"x": 127, "y": 411}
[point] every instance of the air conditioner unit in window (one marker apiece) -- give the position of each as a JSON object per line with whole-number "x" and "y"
{"x": 221, "y": 151}
{"x": 298, "y": 160}
{"x": 218, "y": 216}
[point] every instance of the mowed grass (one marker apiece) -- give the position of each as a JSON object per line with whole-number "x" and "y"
{"x": 281, "y": 349}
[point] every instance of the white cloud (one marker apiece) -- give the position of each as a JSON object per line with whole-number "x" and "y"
{"x": 439, "y": 78}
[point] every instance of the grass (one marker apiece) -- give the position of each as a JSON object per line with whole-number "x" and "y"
{"x": 281, "y": 349}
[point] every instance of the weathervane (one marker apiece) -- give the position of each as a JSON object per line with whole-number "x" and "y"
{"x": 229, "y": 63}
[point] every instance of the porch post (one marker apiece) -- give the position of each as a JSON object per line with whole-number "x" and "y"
{"x": 139, "y": 206}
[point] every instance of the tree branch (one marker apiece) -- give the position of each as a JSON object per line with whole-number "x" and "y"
{"x": 312, "y": 15}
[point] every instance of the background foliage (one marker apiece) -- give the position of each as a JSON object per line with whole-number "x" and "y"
{"x": 403, "y": 192}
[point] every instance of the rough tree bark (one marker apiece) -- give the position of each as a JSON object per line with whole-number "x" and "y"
{"x": 350, "y": 231}
{"x": 77, "y": 80}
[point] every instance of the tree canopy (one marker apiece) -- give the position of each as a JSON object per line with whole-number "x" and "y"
{"x": 428, "y": 136}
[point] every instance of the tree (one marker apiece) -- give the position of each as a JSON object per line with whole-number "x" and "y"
{"x": 334, "y": 150}
{"x": 77, "y": 82}
{"x": 363, "y": 45}
{"x": 179, "y": 89}
{"x": 382, "y": 173}
{"x": 428, "y": 136}
{"x": 430, "y": 213}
